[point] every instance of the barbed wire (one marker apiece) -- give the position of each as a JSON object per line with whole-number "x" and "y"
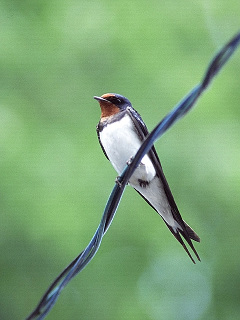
{"x": 50, "y": 297}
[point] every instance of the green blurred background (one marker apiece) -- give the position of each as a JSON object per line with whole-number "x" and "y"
{"x": 55, "y": 180}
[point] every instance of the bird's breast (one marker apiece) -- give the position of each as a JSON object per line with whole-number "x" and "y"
{"x": 121, "y": 142}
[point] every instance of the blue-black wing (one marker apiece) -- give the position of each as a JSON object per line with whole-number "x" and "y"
{"x": 186, "y": 231}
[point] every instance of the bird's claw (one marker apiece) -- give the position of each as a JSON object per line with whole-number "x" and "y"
{"x": 129, "y": 161}
{"x": 118, "y": 181}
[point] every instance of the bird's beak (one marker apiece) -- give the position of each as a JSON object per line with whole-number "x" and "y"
{"x": 100, "y": 99}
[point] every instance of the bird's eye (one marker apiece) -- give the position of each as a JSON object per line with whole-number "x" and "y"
{"x": 115, "y": 100}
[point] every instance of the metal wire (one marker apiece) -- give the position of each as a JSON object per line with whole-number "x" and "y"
{"x": 50, "y": 297}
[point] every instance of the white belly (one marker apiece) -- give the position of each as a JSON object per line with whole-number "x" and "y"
{"x": 121, "y": 143}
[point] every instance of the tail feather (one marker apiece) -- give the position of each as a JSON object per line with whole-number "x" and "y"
{"x": 185, "y": 230}
{"x": 192, "y": 234}
{"x": 187, "y": 234}
{"x": 187, "y": 238}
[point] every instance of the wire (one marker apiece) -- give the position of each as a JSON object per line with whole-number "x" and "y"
{"x": 50, "y": 297}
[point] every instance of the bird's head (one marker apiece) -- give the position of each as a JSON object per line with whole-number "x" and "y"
{"x": 112, "y": 103}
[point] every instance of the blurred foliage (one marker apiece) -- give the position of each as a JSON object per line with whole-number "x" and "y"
{"x": 55, "y": 180}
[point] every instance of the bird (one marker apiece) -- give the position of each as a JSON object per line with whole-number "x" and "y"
{"x": 121, "y": 132}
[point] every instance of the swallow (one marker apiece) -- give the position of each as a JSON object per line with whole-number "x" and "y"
{"x": 121, "y": 132}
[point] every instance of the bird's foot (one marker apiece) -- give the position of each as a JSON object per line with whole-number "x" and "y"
{"x": 129, "y": 161}
{"x": 118, "y": 181}
{"x": 143, "y": 183}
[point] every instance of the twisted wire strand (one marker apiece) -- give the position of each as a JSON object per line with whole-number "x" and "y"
{"x": 50, "y": 297}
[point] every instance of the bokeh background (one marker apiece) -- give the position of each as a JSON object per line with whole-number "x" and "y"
{"x": 55, "y": 180}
